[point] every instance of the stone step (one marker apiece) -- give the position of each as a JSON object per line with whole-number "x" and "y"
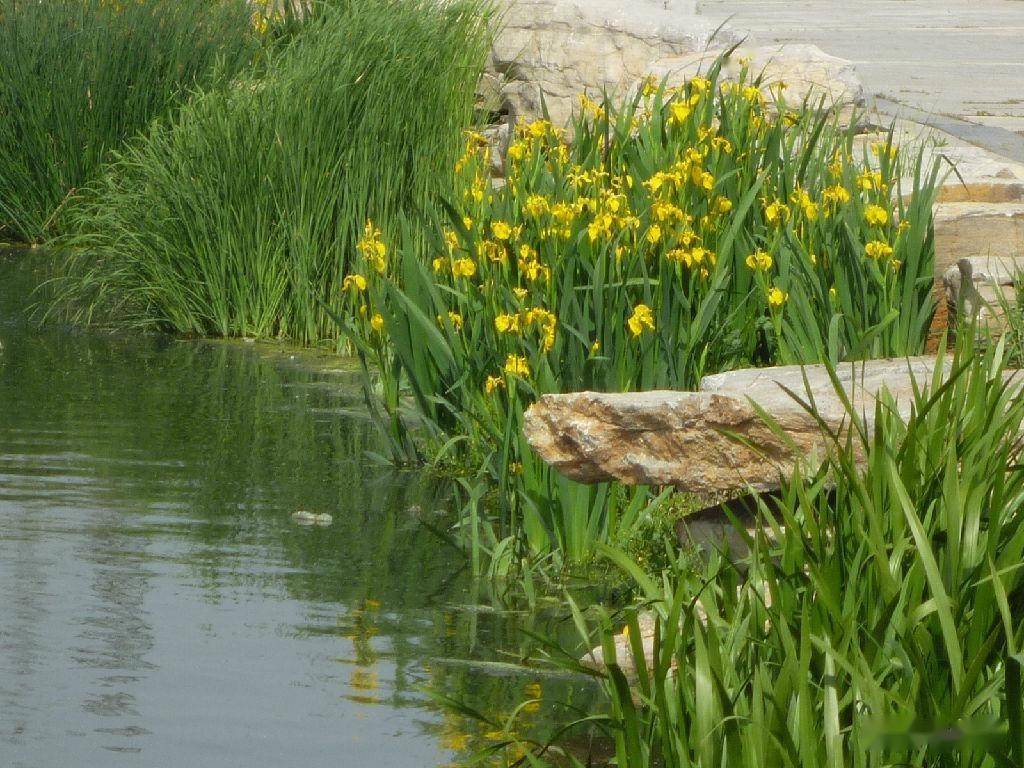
{"x": 989, "y": 191}
{"x": 967, "y": 230}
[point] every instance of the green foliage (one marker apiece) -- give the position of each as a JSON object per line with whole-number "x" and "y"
{"x": 690, "y": 231}
{"x": 876, "y": 620}
{"x": 79, "y": 77}
{"x": 240, "y": 215}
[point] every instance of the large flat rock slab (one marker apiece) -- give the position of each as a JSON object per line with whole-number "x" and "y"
{"x": 698, "y": 441}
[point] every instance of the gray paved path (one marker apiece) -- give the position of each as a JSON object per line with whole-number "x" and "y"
{"x": 952, "y": 57}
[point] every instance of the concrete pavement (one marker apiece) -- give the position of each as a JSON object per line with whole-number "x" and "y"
{"x": 950, "y": 57}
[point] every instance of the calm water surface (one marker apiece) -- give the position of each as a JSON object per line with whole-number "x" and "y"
{"x": 159, "y": 608}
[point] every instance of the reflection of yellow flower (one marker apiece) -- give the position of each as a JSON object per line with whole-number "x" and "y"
{"x": 354, "y": 281}
{"x": 501, "y": 230}
{"x": 759, "y": 261}
{"x": 363, "y": 680}
{"x": 777, "y": 297}
{"x": 517, "y": 365}
{"x": 456, "y": 742}
{"x": 642, "y": 318}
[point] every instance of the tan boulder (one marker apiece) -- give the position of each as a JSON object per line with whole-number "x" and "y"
{"x": 700, "y": 441}
{"x": 550, "y": 51}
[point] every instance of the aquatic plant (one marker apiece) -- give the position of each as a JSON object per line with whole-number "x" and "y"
{"x": 875, "y": 621}
{"x": 79, "y": 77}
{"x": 687, "y": 231}
{"x": 240, "y": 214}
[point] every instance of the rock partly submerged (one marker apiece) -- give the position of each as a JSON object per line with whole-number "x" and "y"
{"x": 704, "y": 442}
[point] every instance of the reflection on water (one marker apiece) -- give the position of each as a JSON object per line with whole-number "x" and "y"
{"x": 159, "y": 608}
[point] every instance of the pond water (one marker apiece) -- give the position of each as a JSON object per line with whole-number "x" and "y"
{"x": 158, "y": 606}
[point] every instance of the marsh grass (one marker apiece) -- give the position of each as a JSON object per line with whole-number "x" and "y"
{"x": 875, "y": 622}
{"x": 79, "y": 77}
{"x": 240, "y": 215}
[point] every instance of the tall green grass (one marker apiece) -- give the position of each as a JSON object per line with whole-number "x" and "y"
{"x": 241, "y": 214}
{"x": 875, "y": 622}
{"x": 78, "y": 77}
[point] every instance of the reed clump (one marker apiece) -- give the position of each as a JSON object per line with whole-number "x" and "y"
{"x": 241, "y": 214}
{"x": 79, "y": 77}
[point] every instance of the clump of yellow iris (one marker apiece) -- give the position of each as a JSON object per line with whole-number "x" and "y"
{"x": 623, "y": 232}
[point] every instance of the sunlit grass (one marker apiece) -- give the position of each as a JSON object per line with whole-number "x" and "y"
{"x": 79, "y": 77}
{"x": 241, "y": 214}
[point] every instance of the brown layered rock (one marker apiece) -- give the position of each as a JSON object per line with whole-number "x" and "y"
{"x": 969, "y": 230}
{"x": 703, "y": 442}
